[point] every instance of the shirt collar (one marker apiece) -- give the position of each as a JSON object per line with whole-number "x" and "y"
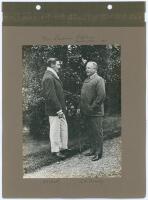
{"x": 53, "y": 71}
{"x": 92, "y": 76}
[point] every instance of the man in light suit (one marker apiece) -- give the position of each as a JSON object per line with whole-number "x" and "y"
{"x": 55, "y": 108}
{"x": 92, "y": 109}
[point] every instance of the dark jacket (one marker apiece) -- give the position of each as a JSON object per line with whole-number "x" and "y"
{"x": 53, "y": 93}
{"x": 92, "y": 96}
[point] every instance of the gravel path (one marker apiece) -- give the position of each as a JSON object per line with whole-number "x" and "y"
{"x": 80, "y": 166}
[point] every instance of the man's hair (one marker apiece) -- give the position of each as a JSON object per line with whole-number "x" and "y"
{"x": 94, "y": 64}
{"x": 51, "y": 61}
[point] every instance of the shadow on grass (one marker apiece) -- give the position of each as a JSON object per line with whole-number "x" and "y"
{"x": 37, "y": 160}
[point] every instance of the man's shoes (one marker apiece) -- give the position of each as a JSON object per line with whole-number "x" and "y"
{"x": 97, "y": 157}
{"x": 59, "y": 155}
{"x": 65, "y": 151}
{"x": 89, "y": 154}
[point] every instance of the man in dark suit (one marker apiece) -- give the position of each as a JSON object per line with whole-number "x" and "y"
{"x": 92, "y": 109}
{"x": 55, "y": 108}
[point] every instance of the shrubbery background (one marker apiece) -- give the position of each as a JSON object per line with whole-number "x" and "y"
{"x": 74, "y": 58}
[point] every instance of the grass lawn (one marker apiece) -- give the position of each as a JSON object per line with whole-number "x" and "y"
{"x": 36, "y": 153}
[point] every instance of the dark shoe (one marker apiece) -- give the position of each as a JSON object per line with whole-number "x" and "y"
{"x": 65, "y": 151}
{"x": 97, "y": 157}
{"x": 59, "y": 155}
{"x": 89, "y": 154}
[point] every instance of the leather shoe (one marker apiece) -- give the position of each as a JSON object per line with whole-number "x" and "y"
{"x": 59, "y": 155}
{"x": 89, "y": 154}
{"x": 97, "y": 157}
{"x": 65, "y": 151}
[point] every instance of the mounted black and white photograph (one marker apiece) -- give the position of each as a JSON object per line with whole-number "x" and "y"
{"x": 71, "y": 111}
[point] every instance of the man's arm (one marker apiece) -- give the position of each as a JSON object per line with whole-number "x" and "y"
{"x": 50, "y": 94}
{"x": 100, "y": 89}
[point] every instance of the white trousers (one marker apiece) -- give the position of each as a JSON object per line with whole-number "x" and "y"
{"x": 58, "y": 133}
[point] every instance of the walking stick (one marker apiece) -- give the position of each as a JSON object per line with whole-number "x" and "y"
{"x": 79, "y": 134}
{"x": 79, "y": 138}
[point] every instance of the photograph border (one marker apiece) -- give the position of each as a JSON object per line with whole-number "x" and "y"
{"x": 36, "y": 158}
{"x": 133, "y": 87}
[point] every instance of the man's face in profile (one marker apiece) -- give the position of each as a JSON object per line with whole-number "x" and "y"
{"x": 57, "y": 66}
{"x": 90, "y": 69}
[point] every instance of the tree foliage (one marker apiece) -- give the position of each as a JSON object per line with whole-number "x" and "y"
{"x": 72, "y": 74}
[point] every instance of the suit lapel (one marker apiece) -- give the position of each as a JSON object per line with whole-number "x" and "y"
{"x": 92, "y": 77}
{"x": 49, "y": 72}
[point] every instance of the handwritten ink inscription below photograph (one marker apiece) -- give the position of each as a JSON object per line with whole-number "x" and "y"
{"x": 71, "y": 111}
